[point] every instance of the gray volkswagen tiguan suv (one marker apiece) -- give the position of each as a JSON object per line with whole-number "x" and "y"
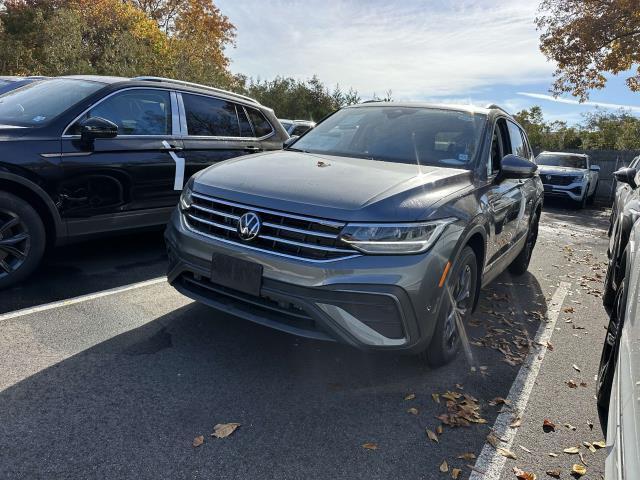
{"x": 377, "y": 228}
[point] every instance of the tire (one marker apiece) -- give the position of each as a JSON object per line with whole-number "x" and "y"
{"x": 609, "y": 356}
{"x": 521, "y": 263}
{"x": 22, "y": 239}
{"x": 463, "y": 279}
{"x": 580, "y": 204}
{"x": 591, "y": 199}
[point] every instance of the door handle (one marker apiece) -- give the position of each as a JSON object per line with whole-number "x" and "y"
{"x": 172, "y": 147}
{"x": 252, "y": 149}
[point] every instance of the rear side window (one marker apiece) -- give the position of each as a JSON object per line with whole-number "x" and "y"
{"x": 136, "y": 112}
{"x": 210, "y": 117}
{"x": 518, "y": 146}
{"x": 261, "y": 125}
{"x": 245, "y": 126}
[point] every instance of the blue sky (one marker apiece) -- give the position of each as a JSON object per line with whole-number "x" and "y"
{"x": 467, "y": 51}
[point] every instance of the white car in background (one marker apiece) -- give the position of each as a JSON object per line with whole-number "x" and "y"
{"x": 568, "y": 175}
{"x": 297, "y": 127}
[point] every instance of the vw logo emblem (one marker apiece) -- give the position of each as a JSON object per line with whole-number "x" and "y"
{"x": 249, "y": 226}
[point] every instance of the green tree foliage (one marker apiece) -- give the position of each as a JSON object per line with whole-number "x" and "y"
{"x": 600, "y": 130}
{"x": 587, "y": 38}
{"x": 291, "y": 98}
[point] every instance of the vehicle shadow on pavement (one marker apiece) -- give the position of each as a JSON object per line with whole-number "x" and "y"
{"x": 130, "y": 407}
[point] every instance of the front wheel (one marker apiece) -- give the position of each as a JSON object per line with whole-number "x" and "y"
{"x": 463, "y": 281}
{"x": 22, "y": 239}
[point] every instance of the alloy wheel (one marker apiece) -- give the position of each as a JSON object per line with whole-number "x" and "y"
{"x": 461, "y": 291}
{"x": 15, "y": 242}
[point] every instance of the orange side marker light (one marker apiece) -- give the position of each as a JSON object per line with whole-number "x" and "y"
{"x": 444, "y": 274}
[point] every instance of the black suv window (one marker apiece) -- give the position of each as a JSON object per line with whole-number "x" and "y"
{"x": 245, "y": 125}
{"x": 518, "y": 145}
{"x": 136, "y": 112}
{"x": 261, "y": 125}
{"x": 210, "y": 117}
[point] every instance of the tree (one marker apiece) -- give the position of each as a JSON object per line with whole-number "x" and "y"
{"x": 588, "y": 38}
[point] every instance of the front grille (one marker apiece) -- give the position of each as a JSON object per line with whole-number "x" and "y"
{"x": 307, "y": 238}
{"x": 562, "y": 180}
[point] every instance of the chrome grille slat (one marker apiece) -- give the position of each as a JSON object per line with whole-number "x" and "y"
{"x": 305, "y": 245}
{"x": 284, "y": 234}
{"x": 299, "y": 230}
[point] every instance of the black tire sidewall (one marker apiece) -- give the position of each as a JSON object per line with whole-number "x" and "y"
{"x": 37, "y": 233}
{"x": 438, "y": 353}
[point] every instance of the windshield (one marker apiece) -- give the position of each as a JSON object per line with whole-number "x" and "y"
{"x": 37, "y": 103}
{"x": 423, "y": 136}
{"x": 571, "y": 161}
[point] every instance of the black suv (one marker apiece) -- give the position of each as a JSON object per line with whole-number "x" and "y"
{"x": 84, "y": 155}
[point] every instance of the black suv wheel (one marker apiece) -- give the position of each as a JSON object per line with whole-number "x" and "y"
{"x": 22, "y": 239}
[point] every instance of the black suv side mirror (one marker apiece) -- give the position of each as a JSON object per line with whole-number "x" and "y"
{"x": 289, "y": 141}
{"x": 513, "y": 166}
{"x": 97, "y": 127}
{"x": 627, "y": 175}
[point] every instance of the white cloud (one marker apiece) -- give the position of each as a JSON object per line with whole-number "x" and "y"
{"x": 416, "y": 49}
{"x": 570, "y": 101}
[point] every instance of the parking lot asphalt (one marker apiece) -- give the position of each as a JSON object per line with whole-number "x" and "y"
{"x": 118, "y": 384}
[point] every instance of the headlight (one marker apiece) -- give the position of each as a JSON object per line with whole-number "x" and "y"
{"x": 394, "y": 238}
{"x": 186, "y": 198}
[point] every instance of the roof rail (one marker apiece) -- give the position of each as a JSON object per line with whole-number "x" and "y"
{"x": 191, "y": 84}
{"x": 497, "y": 107}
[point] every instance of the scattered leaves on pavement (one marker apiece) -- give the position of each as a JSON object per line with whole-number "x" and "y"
{"x": 432, "y": 436}
{"x": 223, "y": 430}
{"x": 370, "y": 446}
{"x": 578, "y": 469}
{"x": 548, "y": 426}
{"x": 571, "y": 450}
{"x": 525, "y": 448}
{"x": 505, "y": 452}
{"x": 467, "y": 456}
{"x": 455, "y": 473}
{"x": 599, "y": 444}
{"x": 410, "y": 396}
{"x": 444, "y": 466}
{"x": 553, "y": 473}
{"x": 522, "y": 475}
{"x": 575, "y": 367}
{"x": 413, "y": 411}
{"x": 199, "y": 440}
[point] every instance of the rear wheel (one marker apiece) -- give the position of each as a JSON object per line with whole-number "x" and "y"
{"x": 521, "y": 263}
{"x": 582, "y": 203}
{"x": 22, "y": 239}
{"x": 462, "y": 281}
{"x": 592, "y": 197}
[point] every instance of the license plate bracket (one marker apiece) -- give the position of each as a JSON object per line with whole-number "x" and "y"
{"x": 237, "y": 274}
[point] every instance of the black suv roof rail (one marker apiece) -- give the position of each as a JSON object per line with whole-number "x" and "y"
{"x": 493, "y": 106}
{"x": 191, "y": 84}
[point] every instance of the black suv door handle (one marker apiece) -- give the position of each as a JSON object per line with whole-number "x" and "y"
{"x": 252, "y": 149}
{"x": 172, "y": 147}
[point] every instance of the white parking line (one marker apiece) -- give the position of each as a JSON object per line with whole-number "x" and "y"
{"x": 80, "y": 299}
{"x": 490, "y": 463}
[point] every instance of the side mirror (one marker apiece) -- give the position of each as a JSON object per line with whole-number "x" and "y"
{"x": 513, "y": 166}
{"x": 627, "y": 175}
{"x": 594, "y": 168}
{"x": 97, "y": 127}
{"x": 290, "y": 141}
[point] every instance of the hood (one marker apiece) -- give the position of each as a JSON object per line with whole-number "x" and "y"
{"x": 338, "y": 188}
{"x": 547, "y": 169}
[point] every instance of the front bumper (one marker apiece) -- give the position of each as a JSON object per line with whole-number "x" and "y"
{"x": 574, "y": 191}
{"x": 371, "y": 302}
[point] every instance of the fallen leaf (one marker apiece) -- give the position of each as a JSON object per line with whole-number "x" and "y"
{"x": 590, "y": 425}
{"x": 516, "y": 421}
{"x": 575, "y": 367}
{"x": 569, "y": 426}
{"x": 493, "y": 440}
{"x": 199, "y": 440}
{"x": 525, "y": 449}
{"x": 432, "y": 436}
{"x": 467, "y": 456}
{"x": 589, "y": 446}
{"x": 505, "y": 452}
{"x": 370, "y": 446}
{"x": 413, "y": 411}
{"x": 223, "y": 430}
{"x": 410, "y": 396}
{"x": 444, "y": 466}
{"x": 571, "y": 450}
{"x": 599, "y": 444}
{"x": 582, "y": 458}
{"x": 455, "y": 473}
{"x": 522, "y": 475}
{"x": 436, "y": 397}
{"x": 499, "y": 401}
{"x": 578, "y": 469}
{"x": 439, "y": 430}
{"x": 551, "y": 454}
{"x": 572, "y": 384}
{"x": 553, "y": 473}
{"x": 548, "y": 425}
